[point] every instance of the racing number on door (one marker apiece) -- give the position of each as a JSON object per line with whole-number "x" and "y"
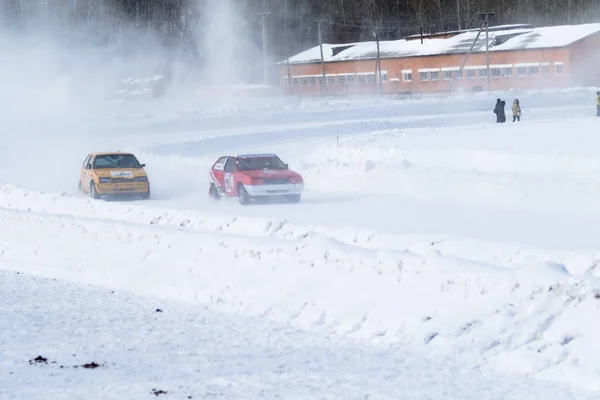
{"x": 228, "y": 180}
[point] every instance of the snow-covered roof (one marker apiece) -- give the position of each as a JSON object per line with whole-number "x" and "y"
{"x": 491, "y": 28}
{"x": 501, "y": 40}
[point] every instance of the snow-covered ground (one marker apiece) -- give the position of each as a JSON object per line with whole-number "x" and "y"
{"x": 427, "y": 232}
{"x": 77, "y": 342}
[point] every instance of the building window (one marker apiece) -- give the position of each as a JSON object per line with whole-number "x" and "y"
{"x": 483, "y": 73}
{"x": 471, "y": 74}
{"x": 435, "y": 75}
{"x": 362, "y": 79}
{"x": 312, "y": 80}
{"x": 424, "y": 76}
{"x": 383, "y": 76}
{"x": 496, "y": 72}
{"x": 407, "y": 76}
{"x": 341, "y": 79}
{"x": 545, "y": 69}
{"x": 507, "y": 72}
{"x": 295, "y": 80}
{"x": 533, "y": 70}
{"x": 559, "y": 68}
{"x": 447, "y": 75}
{"x": 459, "y": 74}
{"x": 350, "y": 79}
{"x": 331, "y": 79}
{"x": 286, "y": 81}
{"x": 303, "y": 81}
{"x": 521, "y": 71}
{"x": 371, "y": 78}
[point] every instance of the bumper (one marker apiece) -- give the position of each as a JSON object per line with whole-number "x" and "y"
{"x": 275, "y": 190}
{"x": 136, "y": 188}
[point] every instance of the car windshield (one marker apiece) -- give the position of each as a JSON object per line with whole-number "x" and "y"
{"x": 116, "y": 161}
{"x": 257, "y": 163}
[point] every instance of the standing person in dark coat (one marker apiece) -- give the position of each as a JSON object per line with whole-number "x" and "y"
{"x": 497, "y": 110}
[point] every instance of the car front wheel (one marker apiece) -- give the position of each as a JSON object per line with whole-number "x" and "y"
{"x": 93, "y": 193}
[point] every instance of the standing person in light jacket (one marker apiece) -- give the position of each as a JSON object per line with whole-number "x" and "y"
{"x": 516, "y": 110}
{"x": 598, "y": 104}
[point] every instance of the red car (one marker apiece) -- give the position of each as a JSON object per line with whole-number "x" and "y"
{"x": 254, "y": 176}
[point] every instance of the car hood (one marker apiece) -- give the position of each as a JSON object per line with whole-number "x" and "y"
{"x": 270, "y": 173}
{"x": 120, "y": 172}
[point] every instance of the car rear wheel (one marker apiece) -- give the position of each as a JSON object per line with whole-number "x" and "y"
{"x": 214, "y": 192}
{"x": 93, "y": 193}
{"x": 243, "y": 195}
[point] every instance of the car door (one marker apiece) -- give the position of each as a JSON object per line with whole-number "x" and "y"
{"x": 84, "y": 175}
{"x": 217, "y": 171}
{"x": 229, "y": 176}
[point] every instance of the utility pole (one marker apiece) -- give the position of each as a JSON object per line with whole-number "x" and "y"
{"x": 486, "y": 16}
{"x": 264, "y": 42}
{"x": 462, "y": 66}
{"x": 487, "y": 51}
{"x": 287, "y": 44}
{"x": 376, "y": 34}
{"x": 322, "y": 61}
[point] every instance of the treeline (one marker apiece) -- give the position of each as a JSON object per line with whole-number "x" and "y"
{"x": 291, "y": 25}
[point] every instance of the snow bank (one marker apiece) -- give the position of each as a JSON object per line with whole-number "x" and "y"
{"x": 493, "y": 314}
{"x": 223, "y": 222}
{"x": 516, "y": 166}
{"x": 209, "y": 354}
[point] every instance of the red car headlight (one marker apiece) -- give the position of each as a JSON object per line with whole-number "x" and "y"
{"x": 257, "y": 181}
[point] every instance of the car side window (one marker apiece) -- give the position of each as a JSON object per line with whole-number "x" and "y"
{"x": 86, "y": 161}
{"x": 230, "y": 165}
{"x": 220, "y": 164}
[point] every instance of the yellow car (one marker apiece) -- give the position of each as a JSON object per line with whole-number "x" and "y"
{"x": 113, "y": 174}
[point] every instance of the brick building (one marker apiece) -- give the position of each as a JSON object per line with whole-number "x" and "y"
{"x": 520, "y": 57}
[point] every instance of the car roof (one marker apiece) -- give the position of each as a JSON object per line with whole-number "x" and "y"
{"x": 256, "y": 155}
{"x": 106, "y": 153}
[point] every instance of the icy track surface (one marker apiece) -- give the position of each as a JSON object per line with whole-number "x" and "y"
{"x": 432, "y": 248}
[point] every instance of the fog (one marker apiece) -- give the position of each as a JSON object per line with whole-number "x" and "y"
{"x": 70, "y": 85}
{"x": 54, "y": 67}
